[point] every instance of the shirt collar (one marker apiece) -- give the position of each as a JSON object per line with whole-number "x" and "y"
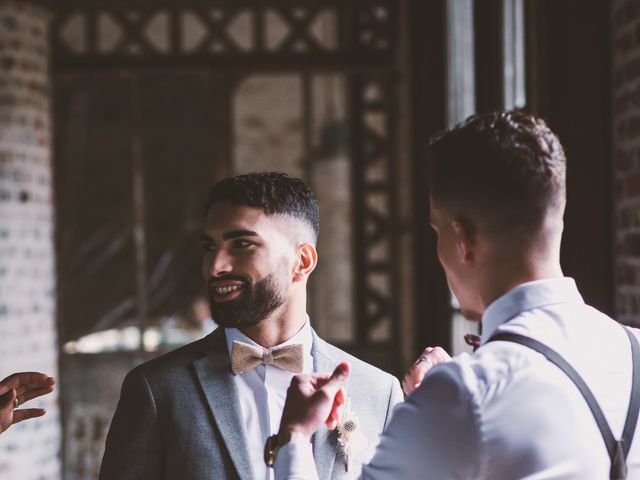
{"x": 304, "y": 336}
{"x": 527, "y": 296}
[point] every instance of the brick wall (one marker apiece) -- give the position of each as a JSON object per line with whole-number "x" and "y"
{"x": 625, "y": 30}
{"x": 29, "y": 450}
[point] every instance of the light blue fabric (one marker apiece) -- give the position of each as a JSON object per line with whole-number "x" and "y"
{"x": 506, "y": 412}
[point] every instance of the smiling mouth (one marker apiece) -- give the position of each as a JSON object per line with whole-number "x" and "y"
{"x": 225, "y": 293}
{"x": 226, "y": 290}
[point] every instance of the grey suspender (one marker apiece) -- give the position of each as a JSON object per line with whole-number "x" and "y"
{"x": 618, "y": 449}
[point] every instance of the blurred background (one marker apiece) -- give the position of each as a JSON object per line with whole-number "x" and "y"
{"x": 117, "y": 116}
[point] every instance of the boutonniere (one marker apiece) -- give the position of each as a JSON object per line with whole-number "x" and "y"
{"x": 353, "y": 443}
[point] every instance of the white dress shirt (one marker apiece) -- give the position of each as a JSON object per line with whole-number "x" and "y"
{"x": 262, "y": 392}
{"x": 506, "y": 412}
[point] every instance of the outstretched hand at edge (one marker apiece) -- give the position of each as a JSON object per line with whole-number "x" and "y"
{"x": 22, "y": 386}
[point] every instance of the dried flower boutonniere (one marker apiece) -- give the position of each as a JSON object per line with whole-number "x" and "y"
{"x": 351, "y": 440}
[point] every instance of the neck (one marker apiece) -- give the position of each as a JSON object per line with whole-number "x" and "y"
{"x": 280, "y": 326}
{"x": 506, "y": 274}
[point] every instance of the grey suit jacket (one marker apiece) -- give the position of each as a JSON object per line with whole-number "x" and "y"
{"x": 179, "y": 417}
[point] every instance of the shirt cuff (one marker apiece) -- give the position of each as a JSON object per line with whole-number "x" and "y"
{"x": 295, "y": 461}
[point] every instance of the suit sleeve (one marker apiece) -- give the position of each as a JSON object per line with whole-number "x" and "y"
{"x": 133, "y": 448}
{"x": 434, "y": 434}
{"x": 395, "y": 397}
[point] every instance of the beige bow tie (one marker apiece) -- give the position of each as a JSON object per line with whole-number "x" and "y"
{"x": 245, "y": 357}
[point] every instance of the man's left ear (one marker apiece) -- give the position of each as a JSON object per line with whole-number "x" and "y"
{"x": 465, "y": 238}
{"x": 307, "y": 261}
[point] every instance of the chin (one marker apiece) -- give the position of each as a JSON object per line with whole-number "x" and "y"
{"x": 235, "y": 321}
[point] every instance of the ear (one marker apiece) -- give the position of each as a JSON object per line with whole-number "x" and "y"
{"x": 465, "y": 239}
{"x": 307, "y": 261}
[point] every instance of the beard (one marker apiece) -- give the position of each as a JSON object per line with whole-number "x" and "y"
{"x": 255, "y": 303}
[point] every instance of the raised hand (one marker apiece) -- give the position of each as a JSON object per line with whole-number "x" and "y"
{"x": 429, "y": 358}
{"x": 17, "y": 389}
{"x": 313, "y": 400}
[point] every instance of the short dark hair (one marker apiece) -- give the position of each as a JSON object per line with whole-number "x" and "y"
{"x": 505, "y": 169}
{"x": 274, "y": 192}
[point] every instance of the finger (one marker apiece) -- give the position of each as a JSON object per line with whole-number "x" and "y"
{"x": 439, "y": 355}
{"x": 320, "y": 379}
{"x": 418, "y": 372}
{"x": 333, "y": 389}
{"x": 23, "y": 378}
{"x": 423, "y": 355}
{"x": 302, "y": 383}
{"x": 431, "y": 357}
{"x": 414, "y": 378}
{"x": 406, "y": 382}
{"x": 26, "y": 413}
{"x": 10, "y": 383}
{"x": 335, "y": 414}
{"x": 25, "y": 397}
{"x": 331, "y": 423}
{"x": 336, "y": 409}
{"x": 333, "y": 418}
{"x": 407, "y": 386}
{"x": 337, "y": 380}
{"x": 46, "y": 383}
{"x": 7, "y": 399}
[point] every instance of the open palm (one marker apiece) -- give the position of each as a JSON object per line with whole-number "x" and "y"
{"x": 22, "y": 386}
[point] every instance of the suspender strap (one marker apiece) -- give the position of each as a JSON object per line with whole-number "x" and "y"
{"x": 634, "y": 402}
{"x": 556, "y": 358}
{"x": 618, "y": 450}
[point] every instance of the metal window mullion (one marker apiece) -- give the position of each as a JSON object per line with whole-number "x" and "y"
{"x": 461, "y": 94}
{"x": 139, "y": 231}
{"x": 513, "y": 54}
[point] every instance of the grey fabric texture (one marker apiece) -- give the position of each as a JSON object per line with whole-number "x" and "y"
{"x": 179, "y": 417}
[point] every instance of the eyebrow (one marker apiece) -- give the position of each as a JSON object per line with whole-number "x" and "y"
{"x": 230, "y": 235}
{"x": 239, "y": 233}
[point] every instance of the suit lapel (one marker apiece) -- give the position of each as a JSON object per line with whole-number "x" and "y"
{"x": 324, "y": 441}
{"x": 216, "y": 380}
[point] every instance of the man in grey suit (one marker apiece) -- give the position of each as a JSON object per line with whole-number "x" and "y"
{"x": 205, "y": 410}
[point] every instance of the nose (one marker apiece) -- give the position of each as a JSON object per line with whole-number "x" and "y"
{"x": 220, "y": 263}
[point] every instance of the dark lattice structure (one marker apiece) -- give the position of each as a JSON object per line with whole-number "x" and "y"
{"x": 238, "y": 38}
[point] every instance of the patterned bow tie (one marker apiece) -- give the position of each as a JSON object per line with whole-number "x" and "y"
{"x": 245, "y": 357}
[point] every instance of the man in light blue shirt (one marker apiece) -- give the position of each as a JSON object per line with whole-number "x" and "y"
{"x": 505, "y": 412}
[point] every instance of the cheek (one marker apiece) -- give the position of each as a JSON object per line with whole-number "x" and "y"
{"x": 441, "y": 250}
{"x": 444, "y": 255}
{"x": 206, "y": 265}
{"x": 453, "y": 285}
{"x": 254, "y": 264}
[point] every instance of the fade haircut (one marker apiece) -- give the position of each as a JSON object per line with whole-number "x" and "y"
{"x": 275, "y": 193}
{"x": 504, "y": 170}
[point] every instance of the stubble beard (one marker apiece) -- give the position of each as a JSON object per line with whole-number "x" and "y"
{"x": 255, "y": 303}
